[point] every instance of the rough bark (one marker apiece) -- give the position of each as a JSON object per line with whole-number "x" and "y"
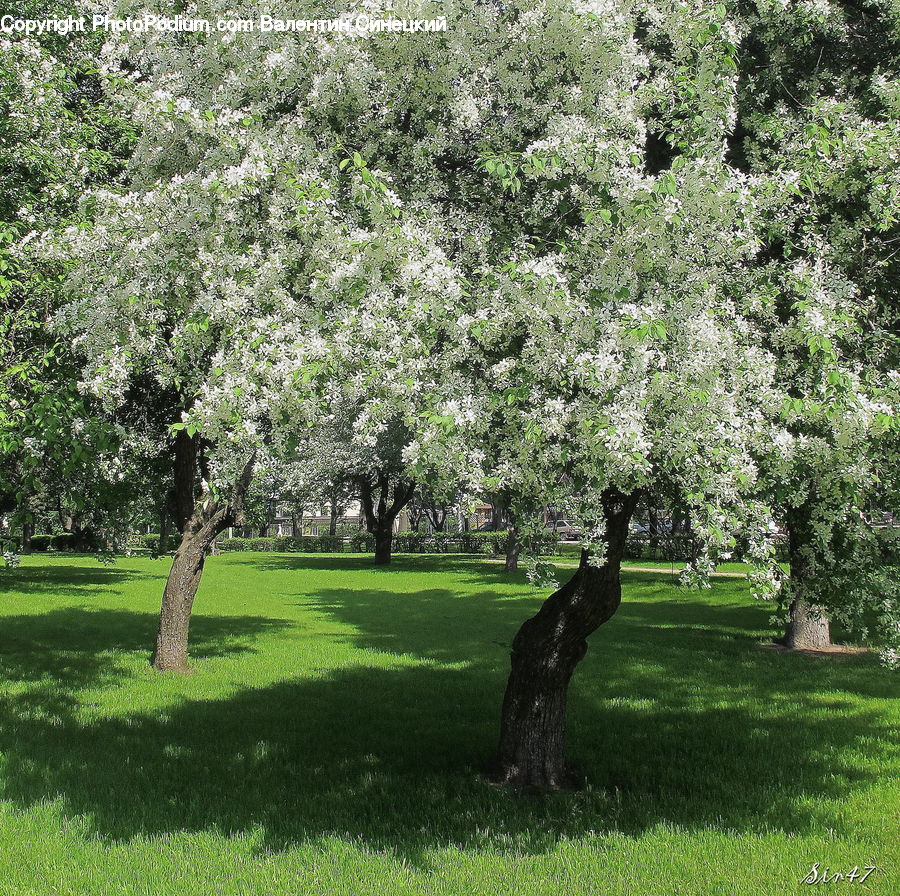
{"x": 171, "y": 654}
{"x": 27, "y": 535}
{"x": 546, "y": 651}
{"x": 207, "y": 520}
{"x": 809, "y": 627}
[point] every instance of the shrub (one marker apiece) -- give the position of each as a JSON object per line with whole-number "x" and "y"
{"x": 233, "y": 544}
{"x": 362, "y": 542}
{"x": 65, "y": 542}
{"x": 149, "y": 543}
{"x": 291, "y": 544}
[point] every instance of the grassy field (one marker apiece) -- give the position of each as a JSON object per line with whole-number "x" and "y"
{"x": 332, "y": 738}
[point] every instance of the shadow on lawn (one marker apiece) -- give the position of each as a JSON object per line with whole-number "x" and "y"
{"x": 466, "y": 567}
{"x": 74, "y": 647}
{"x": 670, "y": 725}
{"x": 66, "y": 581}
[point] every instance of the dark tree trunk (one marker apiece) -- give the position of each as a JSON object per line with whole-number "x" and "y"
{"x": 380, "y": 515}
{"x": 546, "y": 651}
{"x": 808, "y": 628}
{"x": 206, "y": 520}
{"x": 27, "y": 535}
{"x": 513, "y": 545}
{"x": 384, "y": 539}
{"x": 84, "y": 540}
{"x": 437, "y": 517}
{"x": 163, "y": 532}
{"x": 295, "y": 524}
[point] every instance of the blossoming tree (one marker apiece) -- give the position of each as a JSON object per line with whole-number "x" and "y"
{"x": 57, "y": 136}
{"x": 825, "y": 151}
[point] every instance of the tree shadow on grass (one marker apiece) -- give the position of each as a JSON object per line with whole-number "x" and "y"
{"x": 66, "y": 581}
{"x": 389, "y": 758}
{"x": 689, "y": 733}
{"x": 701, "y": 644}
{"x": 464, "y": 567}
{"x": 75, "y": 647}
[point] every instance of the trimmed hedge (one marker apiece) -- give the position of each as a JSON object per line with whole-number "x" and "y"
{"x": 300, "y": 544}
{"x": 151, "y": 543}
{"x": 363, "y": 542}
{"x": 65, "y": 542}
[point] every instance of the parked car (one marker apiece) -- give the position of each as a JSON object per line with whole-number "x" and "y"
{"x": 663, "y": 527}
{"x": 565, "y": 529}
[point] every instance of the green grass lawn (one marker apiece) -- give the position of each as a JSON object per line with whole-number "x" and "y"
{"x": 333, "y": 736}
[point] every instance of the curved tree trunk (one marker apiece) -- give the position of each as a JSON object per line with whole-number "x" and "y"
{"x": 809, "y": 627}
{"x": 171, "y": 654}
{"x": 207, "y": 520}
{"x": 546, "y": 651}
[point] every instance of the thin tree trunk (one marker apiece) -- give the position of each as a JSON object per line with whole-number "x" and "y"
{"x": 436, "y": 517}
{"x": 207, "y": 520}
{"x": 496, "y": 516}
{"x": 546, "y": 651}
{"x": 27, "y": 535}
{"x": 513, "y": 545}
{"x": 809, "y": 627}
{"x": 332, "y": 521}
{"x": 163, "y": 532}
